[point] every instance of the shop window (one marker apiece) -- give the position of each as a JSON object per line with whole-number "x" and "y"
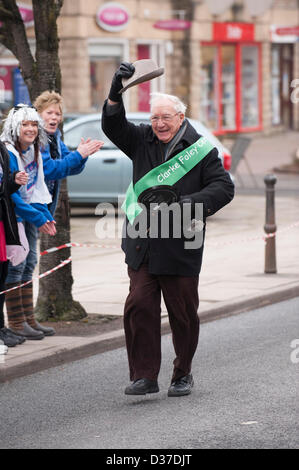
{"x": 230, "y": 87}
{"x": 102, "y": 70}
{"x": 275, "y": 86}
{"x": 250, "y": 82}
{"x": 209, "y": 93}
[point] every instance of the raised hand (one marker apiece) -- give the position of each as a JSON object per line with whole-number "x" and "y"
{"x": 125, "y": 70}
{"x": 88, "y": 147}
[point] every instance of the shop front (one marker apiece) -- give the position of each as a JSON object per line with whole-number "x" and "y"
{"x": 231, "y": 79}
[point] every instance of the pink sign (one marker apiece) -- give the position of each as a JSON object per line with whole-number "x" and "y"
{"x": 112, "y": 17}
{"x": 173, "y": 25}
{"x": 26, "y": 13}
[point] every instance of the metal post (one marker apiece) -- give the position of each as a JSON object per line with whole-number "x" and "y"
{"x": 270, "y": 226}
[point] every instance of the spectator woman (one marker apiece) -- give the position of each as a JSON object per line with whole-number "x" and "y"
{"x": 9, "y": 235}
{"x": 49, "y": 105}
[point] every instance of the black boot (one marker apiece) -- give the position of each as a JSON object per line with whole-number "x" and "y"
{"x": 7, "y": 339}
{"x": 10, "y": 333}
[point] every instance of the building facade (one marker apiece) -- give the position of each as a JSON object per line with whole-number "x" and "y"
{"x": 234, "y": 63}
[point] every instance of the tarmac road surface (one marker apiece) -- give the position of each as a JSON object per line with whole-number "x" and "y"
{"x": 246, "y": 374}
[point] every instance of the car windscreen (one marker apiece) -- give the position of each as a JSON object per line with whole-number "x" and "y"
{"x": 92, "y": 129}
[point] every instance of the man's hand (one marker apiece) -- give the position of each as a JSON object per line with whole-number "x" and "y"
{"x": 88, "y": 147}
{"x": 125, "y": 70}
{"x": 21, "y": 178}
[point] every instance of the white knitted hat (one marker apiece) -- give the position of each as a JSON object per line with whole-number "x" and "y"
{"x": 12, "y": 124}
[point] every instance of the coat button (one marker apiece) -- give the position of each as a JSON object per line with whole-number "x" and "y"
{"x": 138, "y": 247}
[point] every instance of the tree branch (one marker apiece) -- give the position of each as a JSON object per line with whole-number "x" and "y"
{"x": 13, "y": 37}
{"x": 5, "y": 14}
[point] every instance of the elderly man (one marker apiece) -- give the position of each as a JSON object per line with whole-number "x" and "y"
{"x": 169, "y": 152}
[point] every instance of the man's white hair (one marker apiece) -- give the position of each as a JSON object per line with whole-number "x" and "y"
{"x": 179, "y": 106}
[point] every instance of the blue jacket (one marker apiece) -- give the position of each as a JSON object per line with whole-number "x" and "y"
{"x": 36, "y": 214}
{"x": 70, "y": 163}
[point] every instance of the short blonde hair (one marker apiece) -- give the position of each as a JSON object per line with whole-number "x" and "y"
{"x": 46, "y": 99}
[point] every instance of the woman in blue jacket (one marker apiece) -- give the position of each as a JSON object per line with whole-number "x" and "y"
{"x": 24, "y": 134}
{"x": 49, "y": 105}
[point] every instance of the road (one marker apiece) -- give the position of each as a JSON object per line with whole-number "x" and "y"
{"x": 246, "y": 374}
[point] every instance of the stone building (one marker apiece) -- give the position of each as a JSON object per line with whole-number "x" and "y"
{"x": 234, "y": 63}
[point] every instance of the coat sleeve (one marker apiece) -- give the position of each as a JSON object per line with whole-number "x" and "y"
{"x": 66, "y": 153}
{"x": 27, "y": 211}
{"x": 217, "y": 186}
{"x": 60, "y": 168}
{"x": 123, "y": 133}
{"x": 23, "y": 209}
{"x": 12, "y": 186}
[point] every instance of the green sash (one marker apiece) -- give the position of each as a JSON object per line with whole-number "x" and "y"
{"x": 168, "y": 173}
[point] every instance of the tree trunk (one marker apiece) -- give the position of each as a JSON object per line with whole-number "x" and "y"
{"x": 55, "y": 300}
{"x": 43, "y": 73}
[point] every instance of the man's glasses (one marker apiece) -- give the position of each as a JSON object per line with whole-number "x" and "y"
{"x": 164, "y": 118}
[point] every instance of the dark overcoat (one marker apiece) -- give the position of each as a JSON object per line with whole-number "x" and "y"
{"x": 7, "y": 187}
{"x": 207, "y": 183}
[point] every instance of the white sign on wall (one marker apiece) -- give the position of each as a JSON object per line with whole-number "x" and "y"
{"x": 113, "y": 17}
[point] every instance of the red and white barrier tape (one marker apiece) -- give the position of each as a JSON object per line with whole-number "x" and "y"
{"x": 63, "y": 263}
{"x": 231, "y": 242}
{"x": 89, "y": 245}
{"x": 259, "y": 237}
{"x": 73, "y": 244}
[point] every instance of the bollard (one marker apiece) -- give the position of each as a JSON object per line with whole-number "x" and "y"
{"x": 270, "y": 226}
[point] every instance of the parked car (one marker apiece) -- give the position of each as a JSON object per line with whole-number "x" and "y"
{"x": 108, "y": 172}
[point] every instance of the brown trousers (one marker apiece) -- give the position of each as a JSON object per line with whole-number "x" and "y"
{"x": 142, "y": 322}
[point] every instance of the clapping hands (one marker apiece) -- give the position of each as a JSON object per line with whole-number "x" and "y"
{"x": 88, "y": 147}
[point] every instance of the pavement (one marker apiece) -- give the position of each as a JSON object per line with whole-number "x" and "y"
{"x": 232, "y": 278}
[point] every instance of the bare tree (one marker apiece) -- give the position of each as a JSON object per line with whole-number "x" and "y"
{"x": 41, "y": 73}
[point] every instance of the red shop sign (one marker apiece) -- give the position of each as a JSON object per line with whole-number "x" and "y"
{"x": 173, "y": 25}
{"x": 233, "y": 32}
{"x": 287, "y": 30}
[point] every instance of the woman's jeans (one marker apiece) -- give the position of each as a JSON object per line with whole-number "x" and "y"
{"x": 23, "y": 272}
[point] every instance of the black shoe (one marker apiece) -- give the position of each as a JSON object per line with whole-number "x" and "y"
{"x": 47, "y": 330}
{"x": 27, "y": 332}
{"x": 8, "y": 340}
{"x": 181, "y": 386}
{"x": 13, "y": 335}
{"x": 142, "y": 386}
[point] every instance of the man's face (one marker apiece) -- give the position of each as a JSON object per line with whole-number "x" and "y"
{"x": 165, "y": 120}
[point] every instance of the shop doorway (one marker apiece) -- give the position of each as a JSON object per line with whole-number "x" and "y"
{"x": 282, "y": 68}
